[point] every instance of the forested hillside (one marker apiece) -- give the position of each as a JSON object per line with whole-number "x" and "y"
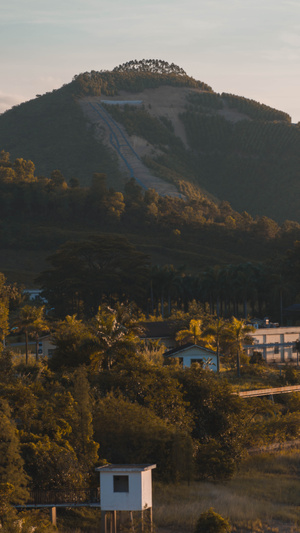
{"x": 191, "y": 248}
{"x": 225, "y": 146}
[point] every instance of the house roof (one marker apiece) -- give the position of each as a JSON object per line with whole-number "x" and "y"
{"x": 186, "y": 347}
{"x": 158, "y": 330}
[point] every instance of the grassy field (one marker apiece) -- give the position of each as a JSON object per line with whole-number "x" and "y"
{"x": 263, "y": 496}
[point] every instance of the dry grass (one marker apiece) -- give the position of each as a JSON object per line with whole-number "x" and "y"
{"x": 264, "y": 496}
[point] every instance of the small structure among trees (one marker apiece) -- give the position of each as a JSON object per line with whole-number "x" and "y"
{"x": 192, "y": 353}
{"x": 124, "y": 488}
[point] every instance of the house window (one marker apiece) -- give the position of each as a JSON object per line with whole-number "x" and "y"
{"x": 121, "y": 484}
{"x": 276, "y": 347}
{"x": 199, "y": 361}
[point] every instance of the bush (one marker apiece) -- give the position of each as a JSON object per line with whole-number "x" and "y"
{"x": 211, "y": 522}
{"x": 256, "y": 358}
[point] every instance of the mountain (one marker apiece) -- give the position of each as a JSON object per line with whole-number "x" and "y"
{"x": 149, "y": 120}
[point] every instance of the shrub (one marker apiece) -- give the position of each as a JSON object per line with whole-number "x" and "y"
{"x": 256, "y": 358}
{"x": 211, "y": 522}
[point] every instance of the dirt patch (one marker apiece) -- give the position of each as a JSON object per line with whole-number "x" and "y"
{"x": 164, "y": 101}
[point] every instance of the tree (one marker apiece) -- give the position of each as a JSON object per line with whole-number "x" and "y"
{"x": 111, "y": 340}
{"x": 71, "y": 339}
{"x": 220, "y": 421}
{"x": 239, "y": 332}
{"x": 86, "y": 448}
{"x": 32, "y": 322}
{"x": 4, "y": 310}
{"x": 214, "y": 333}
{"x": 8, "y": 293}
{"x": 131, "y": 433}
{"x": 11, "y": 462}
{"x": 212, "y": 522}
{"x": 83, "y": 273}
{"x": 192, "y": 334}
{"x": 57, "y": 178}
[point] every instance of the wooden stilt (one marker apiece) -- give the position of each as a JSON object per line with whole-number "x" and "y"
{"x": 53, "y": 515}
{"x": 131, "y": 521}
{"x": 142, "y": 520}
{"x": 151, "y": 519}
{"x": 103, "y": 522}
{"x": 114, "y": 521}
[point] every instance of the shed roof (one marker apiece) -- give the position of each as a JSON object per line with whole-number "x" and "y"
{"x": 125, "y": 468}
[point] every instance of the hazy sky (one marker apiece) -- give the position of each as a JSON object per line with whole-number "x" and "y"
{"x": 246, "y": 47}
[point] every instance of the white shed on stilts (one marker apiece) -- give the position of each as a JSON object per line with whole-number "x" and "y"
{"x": 125, "y": 488}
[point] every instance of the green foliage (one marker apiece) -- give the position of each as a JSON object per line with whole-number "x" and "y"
{"x": 32, "y": 321}
{"x": 139, "y": 122}
{"x": 291, "y": 376}
{"x": 84, "y": 273}
{"x": 56, "y": 137}
{"x": 150, "y": 65}
{"x": 256, "y": 358}
{"x": 133, "y": 77}
{"x": 212, "y": 522}
{"x": 254, "y": 109}
{"x": 71, "y": 339}
{"x": 219, "y": 436}
{"x": 141, "y": 437}
{"x": 85, "y": 446}
{"x": 52, "y": 465}
{"x": 12, "y": 475}
{"x": 205, "y": 101}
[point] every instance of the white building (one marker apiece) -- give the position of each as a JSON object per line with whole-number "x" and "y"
{"x": 126, "y": 487}
{"x": 192, "y": 353}
{"x": 277, "y": 345}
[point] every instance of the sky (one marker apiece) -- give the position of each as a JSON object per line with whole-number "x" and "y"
{"x": 250, "y": 48}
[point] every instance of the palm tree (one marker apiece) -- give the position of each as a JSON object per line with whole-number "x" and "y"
{"x": 110, "y": 339}
{"x": 32, "y": 321}
{"x": 192, "y": 334}
{"x": 239, "y": 332}
{"x": 214, "y": 333}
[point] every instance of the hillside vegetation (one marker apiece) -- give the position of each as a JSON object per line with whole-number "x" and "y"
{"x": 237, "y": 149}
{"x": 195, "y": 249}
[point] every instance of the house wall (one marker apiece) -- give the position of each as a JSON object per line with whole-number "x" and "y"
{"x": 121, "y": 501}
{"x": 276, "y": 344}
{"x": 195, "y": 353}
{"x": 146, "y": 489}
{"x": 46, "y": 347}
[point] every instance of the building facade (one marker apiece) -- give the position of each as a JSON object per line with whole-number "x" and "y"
{"x": 277, "y": 345}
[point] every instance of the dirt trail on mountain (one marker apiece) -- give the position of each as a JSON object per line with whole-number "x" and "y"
{"x": 164, "y": 101}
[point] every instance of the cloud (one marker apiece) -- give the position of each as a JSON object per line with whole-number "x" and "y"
{"x": 291, "y": 38}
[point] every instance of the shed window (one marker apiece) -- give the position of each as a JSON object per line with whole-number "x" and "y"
{"x": 121, "y": 484}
